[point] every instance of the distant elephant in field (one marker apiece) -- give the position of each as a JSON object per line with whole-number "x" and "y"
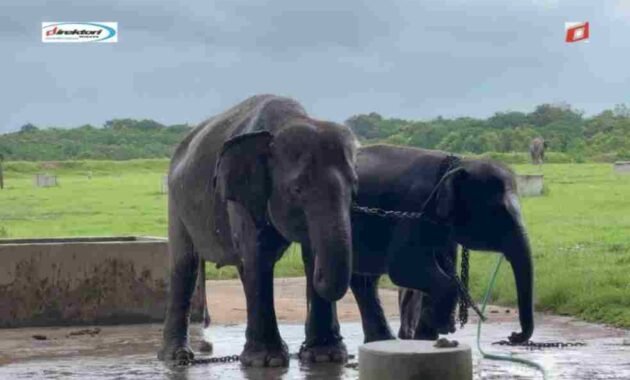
{"x": 537, "y": 150}
{"x": 466, "y": 201}
{"x": 242, "y": 186}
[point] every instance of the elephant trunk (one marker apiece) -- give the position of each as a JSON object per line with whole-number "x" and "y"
{"x": 331, "y": 240}
{"x": 520, "y": 257}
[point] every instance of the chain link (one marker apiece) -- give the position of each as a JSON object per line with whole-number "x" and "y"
{"x": 539, "y": 346}
{"x": 392, "y": 214}
{"x": 213, "y": 360}
{"x": 465, "y": 300}
{"x": 232, "y": 359}
{"x": 451, "y": 162}
{"x": 465, "y": 268}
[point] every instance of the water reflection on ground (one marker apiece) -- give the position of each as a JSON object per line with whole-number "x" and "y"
{"x": 128, "y": 352}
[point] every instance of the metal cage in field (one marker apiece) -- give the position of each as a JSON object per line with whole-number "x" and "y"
{"x": 45, "y": 180}
{"x": 90, "y": 280}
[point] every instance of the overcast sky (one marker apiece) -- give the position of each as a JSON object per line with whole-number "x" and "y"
{"x": 402, "y": 58}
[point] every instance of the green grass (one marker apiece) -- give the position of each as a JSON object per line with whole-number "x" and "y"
{"x": 580, "y": 229}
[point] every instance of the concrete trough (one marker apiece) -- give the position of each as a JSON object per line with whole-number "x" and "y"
{"x": 414, "y": 360}
{"x": 530, "y": 185}
{"x": 622, "y": 167}
{"x": 80, "y": 281}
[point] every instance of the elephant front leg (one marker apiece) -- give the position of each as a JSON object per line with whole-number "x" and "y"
{"x": 323, "y": 340}
{"x": 375, "y": 326}
{"x": 264, "y": 347}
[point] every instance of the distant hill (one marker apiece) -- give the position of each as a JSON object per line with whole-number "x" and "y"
{"x": 505, "y": 135}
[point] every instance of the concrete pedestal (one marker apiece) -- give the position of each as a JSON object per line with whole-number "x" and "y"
{"x": 414, "y": 359}
{"x": 530, "y": 185}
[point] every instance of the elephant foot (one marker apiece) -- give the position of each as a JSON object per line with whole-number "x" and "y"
{"x": 206, "y": 347}
{"x": 324, "y": 353}
{"x": 265, "y": 355}
{"x": 178, "y": 355}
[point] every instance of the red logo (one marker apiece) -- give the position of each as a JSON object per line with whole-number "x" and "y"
{"x": 576, "y": 31}
{"x": 52, "y": 31}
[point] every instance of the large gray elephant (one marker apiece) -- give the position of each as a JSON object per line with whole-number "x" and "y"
{"x": 242, "y": 186}
{"x": 469, "y": 202}
{"x": 537, "y": 150}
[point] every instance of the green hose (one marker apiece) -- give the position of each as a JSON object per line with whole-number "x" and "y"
{"x": 502, "y": 357}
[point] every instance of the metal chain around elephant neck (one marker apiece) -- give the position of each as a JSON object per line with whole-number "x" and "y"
{"x": 452, "y": 165}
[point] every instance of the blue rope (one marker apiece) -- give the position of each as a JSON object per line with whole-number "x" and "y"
{"x": 510, "y": 358}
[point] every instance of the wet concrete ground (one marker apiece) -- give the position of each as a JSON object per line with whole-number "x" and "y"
{"x": 129, "y": 352}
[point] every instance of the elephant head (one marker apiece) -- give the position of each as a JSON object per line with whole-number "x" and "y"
{"x": 480, "y": 202}
{"x": 302, "y": 179}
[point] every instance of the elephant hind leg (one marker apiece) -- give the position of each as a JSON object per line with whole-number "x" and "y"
{"x": 184, "y": 273}
{"x": 415, "y": 308}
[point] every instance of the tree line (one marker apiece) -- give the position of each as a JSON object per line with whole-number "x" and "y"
{"x": 602, "y": 137}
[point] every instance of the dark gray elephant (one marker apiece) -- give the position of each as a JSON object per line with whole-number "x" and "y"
{"x": 475, "y": 205}
{"x": 242, "y": 186}
{"x": 537, "y": 150}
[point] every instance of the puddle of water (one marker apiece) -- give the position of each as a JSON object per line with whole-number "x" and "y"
{"x": 128, "y": 352}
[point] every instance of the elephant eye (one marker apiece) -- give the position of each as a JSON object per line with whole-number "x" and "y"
{"x": 296, "y": 190}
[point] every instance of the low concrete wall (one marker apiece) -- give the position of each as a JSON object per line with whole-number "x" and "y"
{"x": 529, "y": 185}
{"x": 51, "y": 282}
{"x": 622, "y": 167}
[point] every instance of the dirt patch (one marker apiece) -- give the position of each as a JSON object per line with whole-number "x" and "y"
{"x": 226, "y": 302}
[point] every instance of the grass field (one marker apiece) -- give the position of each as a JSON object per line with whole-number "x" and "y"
{"x": 580, "y": 229}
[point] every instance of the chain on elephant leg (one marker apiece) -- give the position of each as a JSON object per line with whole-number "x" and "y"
{"x": 323, "y": 341}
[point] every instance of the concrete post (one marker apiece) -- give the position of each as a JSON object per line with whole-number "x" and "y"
{"x": 414, "y": 359}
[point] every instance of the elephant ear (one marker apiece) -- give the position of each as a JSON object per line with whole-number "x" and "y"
{"x": 241, "y": 174}
{"x": 446, "y": 196}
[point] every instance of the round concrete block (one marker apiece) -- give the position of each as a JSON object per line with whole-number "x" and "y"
{"x": 414, "y": 359}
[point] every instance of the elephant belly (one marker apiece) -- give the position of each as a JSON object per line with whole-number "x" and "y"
{"x": 208, "y": 226}
{"x": 371, "y": 237}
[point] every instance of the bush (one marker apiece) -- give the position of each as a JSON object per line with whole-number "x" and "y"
{"x": 524, "y": 158}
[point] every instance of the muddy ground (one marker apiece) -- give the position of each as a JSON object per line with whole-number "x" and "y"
{"x": 128, "y": 352}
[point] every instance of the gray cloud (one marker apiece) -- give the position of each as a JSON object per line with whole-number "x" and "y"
{"x": 182, "y": 63}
